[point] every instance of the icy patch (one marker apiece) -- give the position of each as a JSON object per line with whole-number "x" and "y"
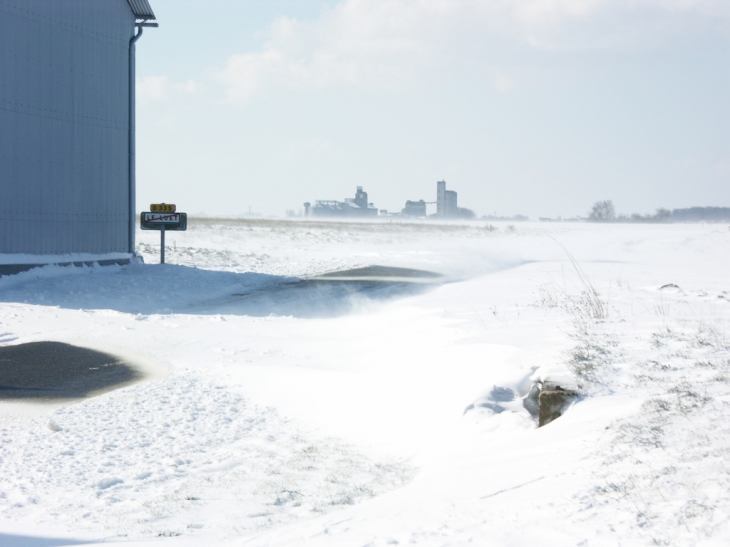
{"x": 176, "y": 455}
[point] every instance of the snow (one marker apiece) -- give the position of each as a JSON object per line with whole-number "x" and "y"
{"x": 278, "y": 413}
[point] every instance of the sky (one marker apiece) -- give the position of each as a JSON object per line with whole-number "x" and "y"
{"x": 532, "y": 107}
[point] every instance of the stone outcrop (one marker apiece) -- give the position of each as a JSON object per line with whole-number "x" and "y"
{"x": 552, "y": 402}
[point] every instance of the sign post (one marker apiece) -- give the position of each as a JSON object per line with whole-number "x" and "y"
{"x": 162, "y": 244}
{"x": 163, "y": 217}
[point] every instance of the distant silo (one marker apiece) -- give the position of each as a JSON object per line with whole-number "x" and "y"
{"x": 67, "y": 184}
{"x": 446, "y": 206}
{"x": 451, "y": 208}
{"x": 440, "y": 198}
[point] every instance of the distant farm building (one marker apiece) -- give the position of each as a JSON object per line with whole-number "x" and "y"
{"x": 67, "y": 166}
{"x": 351, "y": 207}
{"x": 414, "y": 208}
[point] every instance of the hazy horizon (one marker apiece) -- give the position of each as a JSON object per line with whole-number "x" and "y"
{"x": 523, "y": 107}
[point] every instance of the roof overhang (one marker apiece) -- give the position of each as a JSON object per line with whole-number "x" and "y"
{"x": 142, "y": 9}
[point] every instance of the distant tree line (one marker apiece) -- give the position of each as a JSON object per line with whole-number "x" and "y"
{"x": 701, "y": 213}
{"x": 604, "y": 211}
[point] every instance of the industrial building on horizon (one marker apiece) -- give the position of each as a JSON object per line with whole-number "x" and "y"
{"x": 445, "y": 201}
{"x": 446, "y": 206}
{"x": 415, "y": 208}
{"x": 351, "y": 207}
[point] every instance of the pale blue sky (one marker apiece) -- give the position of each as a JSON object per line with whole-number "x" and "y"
{"x": 538, "y": 107}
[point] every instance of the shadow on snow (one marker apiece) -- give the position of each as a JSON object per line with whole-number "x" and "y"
{"x": 171, "y": 289}
{"x": 12, "y": 540}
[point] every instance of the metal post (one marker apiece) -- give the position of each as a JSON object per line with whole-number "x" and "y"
{"x": 131, "y": 135}
{"x": 131, "y": 144}
{"x": 162, "y": 245}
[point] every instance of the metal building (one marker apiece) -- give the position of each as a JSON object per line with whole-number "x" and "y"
{"x": 67, "y": 129}
{"x": 357, "y": 206}
{"x": 414, "y": 208}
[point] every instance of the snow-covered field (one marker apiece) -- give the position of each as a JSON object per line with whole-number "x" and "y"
{"x": 276, "y": 413}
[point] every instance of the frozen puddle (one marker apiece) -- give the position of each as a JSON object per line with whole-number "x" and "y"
{"x": 55, "y": 370}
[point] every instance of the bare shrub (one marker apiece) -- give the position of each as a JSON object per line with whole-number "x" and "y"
{"x": 590, "y": 299}
{"x": 585, "y": 360}
{"x": 587, "y": 305}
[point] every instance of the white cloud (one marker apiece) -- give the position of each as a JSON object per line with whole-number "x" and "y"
{"x": 389, "y": 44}
{"x": 161, "y": 88}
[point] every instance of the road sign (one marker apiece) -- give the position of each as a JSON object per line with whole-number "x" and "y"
{"x": 170, "y": 221}
{"x": 164, "y": 222}
{"x": 163, "y": 208}
{"x": 164, "y": 218}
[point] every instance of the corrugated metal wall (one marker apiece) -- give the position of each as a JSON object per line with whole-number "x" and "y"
{"x": 64, "y": 126}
